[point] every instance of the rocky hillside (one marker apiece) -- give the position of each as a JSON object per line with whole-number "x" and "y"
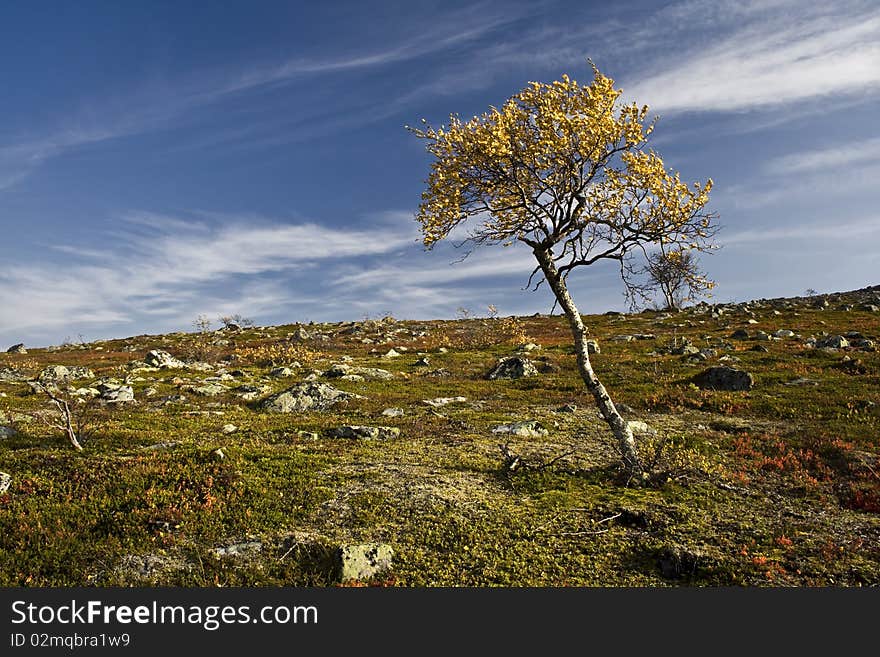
{"x": 421, "y": 453}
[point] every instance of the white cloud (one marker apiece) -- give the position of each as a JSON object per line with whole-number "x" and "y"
{"x": 790, "y": 56}
{"x": 830, "y": 230}
{"x": 824, "y": 159}
{"x": 151, "y": 272}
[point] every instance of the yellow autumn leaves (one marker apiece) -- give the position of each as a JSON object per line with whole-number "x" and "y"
{"x": 520, "y": 169}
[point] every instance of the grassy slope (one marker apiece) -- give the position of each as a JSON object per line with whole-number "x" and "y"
{"x": 777, "y": 486}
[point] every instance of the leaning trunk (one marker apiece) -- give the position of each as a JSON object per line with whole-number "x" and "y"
{"x": 623, "y": 434}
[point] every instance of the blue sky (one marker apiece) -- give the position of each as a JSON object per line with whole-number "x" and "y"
{"x": 162, "y": 160}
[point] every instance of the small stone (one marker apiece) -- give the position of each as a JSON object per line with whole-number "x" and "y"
{"x": 527, "y": 429}
{"x": 358, "y": 432}
{"x": 422, "y": 362}
{"x": 229, "y": 428}
{"x": 784, "y": 333}
{"x": 393, "y": 412}
{"x": 281, "y": 372}
{"x": 5, "y": 482}
{"x": 7, "y": 432}
{"x": 218, "y": 454}
{"x": 245, "y": 549}
{"x": 443, "y": 401}
{"x": 391, "y": 353}
{"x": 567, "y": 408}
{"x": 638, "y": 427}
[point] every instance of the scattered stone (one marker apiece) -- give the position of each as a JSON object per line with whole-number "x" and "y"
{"x": 529, "y": 346}
{"x": 114, "y": 393}
{"x": 863, "y": 343}
{"x": 340, "y": 370}
{"x": 301, "y": 335}
{"x": 759, "y": 347}
{"x": 244, "y": 550}
{"x": 802, "y": 382}
{"x": 393, "y": 412}
{"x": 391, "y": 353}
{"x": 207, "y": 390}
{"x": 218, "y": 454}
{"x": 307, "y": 397}
{"x": 567, "y": 408}
{"x": 360, "y": 432}
{"x": 752, "y": 321}
{"x": 871, "y": 308}
{"x": 229, "y": 428}
{"x": 443, "y": 401}
{"x": 163, "y": 360}
{"x": 623, "y": 338}
{"x": 5, "y": 482}
{"x": 833, "y": 342}
{"x": 17, "y": 349}
{"x": 281, "y": 372}
{"x": 640, "y": 428}
{"x": 677, "y": 562}
{"x": 308, "y": 435}
{"x": 6, "y": 432}
{"x": 762, "y": 336}
{"x": 527, "y": 429}
{"x": 422, "y": 362}
{"x": 724, "y": 378}
{"x": 360, "y": 562}
{"x": 784, "y": 333}
{"x": 56, "y": 373}
{"x": 10, "y": 375}
{"x": 515, "y": 367}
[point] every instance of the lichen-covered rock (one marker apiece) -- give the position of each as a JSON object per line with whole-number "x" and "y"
{"x": 515, "y": 367}
{"x": 163, "y": 360}
{"x": 309, "y": 396}
{"x": 724, "y": 378}
{"x": 360, "y": 562}
{"x": 359, "y": 432}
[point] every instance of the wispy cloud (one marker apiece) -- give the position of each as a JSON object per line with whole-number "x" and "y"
{"x": 825, "y": 159}
{"x": 167, "y": 268}
{"x": 156, "y": 104}
{"x": 830, "y": 230}
{"x": 786, "y": 54}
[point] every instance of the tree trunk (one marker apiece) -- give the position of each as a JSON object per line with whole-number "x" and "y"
{"x": 623, "y": 434}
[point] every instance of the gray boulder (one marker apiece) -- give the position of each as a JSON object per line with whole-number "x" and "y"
{"x": 341, "y": 370}
{"x": 724, "y": 378}
{"x": 17, "y": 349}
{"x": 358, "y": 432}
{"x": 10, "y": 375}
{"x": 833, "y": 342}
{"x": 206, "y": 390}
{"x": 62, "y": 373}
{"x": 360, "y": 562}
{"x": 515, "y": 367}
{"x": 115, "y": 393}
{"x": 163, "y": 360}
{"x": 6, "y": 432}
{"x": 306, "y": 397}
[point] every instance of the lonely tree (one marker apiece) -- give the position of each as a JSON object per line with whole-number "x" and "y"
{"x": 563, "y": 168}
